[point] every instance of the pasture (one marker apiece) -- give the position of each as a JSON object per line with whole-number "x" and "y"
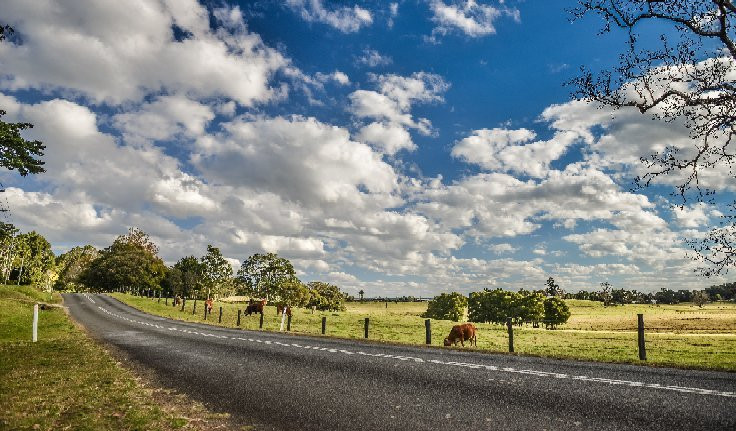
{"x": 677, "y": 335}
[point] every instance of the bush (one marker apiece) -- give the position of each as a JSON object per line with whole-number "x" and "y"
{"x": 447, "y": 306}
{"x": 495, "y": 306}
{"x": 556, "y": 312}
{"x": 325, "y": 296}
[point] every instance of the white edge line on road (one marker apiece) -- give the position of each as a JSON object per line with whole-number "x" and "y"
{"x": 699, "y": 391}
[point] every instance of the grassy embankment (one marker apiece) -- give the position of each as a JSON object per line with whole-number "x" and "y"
{"x": 66, "y": 381}
{"x": 677, "y": 335}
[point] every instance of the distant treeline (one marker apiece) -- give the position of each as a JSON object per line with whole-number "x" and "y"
{"x": 723, "y": 292}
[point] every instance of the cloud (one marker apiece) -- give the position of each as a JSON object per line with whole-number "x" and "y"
{"x": 343, "y": 18}
{"x": 165, "y": 118}
{"x": 387, "y": 138}
{"x": 390, "y": 108}
{"x": 501, "y": 150}
{"x": 300, "y": 159}
{"x": 373, "y": 58}
{"x": 114, "y": 53}
{"x": 468, "y": 16}
{"x": 502, "y": 248}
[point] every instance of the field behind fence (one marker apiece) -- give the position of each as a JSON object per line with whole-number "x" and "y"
{"x": 676, "y": 335}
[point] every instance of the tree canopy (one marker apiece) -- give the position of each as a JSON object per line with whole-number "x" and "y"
{"x": 17, "y": 153}
{"x": 263, "y": 274}
{"x": 128, "y": 263}
{"x": 689, "y": 77}
{"x": 447, "y": 306}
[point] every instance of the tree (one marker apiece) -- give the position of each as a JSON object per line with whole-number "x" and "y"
{"x": 556, "y": 312}
{"x": 72, "y": 264}
{"x": 361, "y": 293}
{"x": 126, "y": 264}
{"x": 218, "y": 272}
{"x": 192, "y": 272}
{"x": 294, "y": 293}
{"x": 605, "y": 294}
{"x": 447, "y": 306}
{"x": 34, "y": 258}
{"x": 690, "y": 77}
{"x": 325, "y": 296}
{"x": 262, "y": 275}
{"x": 8, "y": 240}
{"x": 16, "y": 152}
{"x": 700, "y": 298}
{"x": 553, "y": 289}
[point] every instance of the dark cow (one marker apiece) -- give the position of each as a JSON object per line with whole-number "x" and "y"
{"x": 280, "y": 309}
{"x": 461, "y": 333}
{"x": 256, "y": 307}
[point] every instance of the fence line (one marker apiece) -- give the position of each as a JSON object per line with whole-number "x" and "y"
{"x": 509, "y": 323}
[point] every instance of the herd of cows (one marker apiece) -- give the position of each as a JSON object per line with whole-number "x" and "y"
{"x": 462, "y": 333}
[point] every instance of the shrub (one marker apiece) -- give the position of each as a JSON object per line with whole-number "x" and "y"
{"x": 556, "y": 312}
{"x": 447, "y": 306}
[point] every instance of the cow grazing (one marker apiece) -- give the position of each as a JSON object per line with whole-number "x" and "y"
{"x": 466, "y": 331}
{"x": 255, "y": 307}
{"x": 280, "y": 309}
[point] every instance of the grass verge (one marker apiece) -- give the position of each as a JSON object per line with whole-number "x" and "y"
{"x": 595, "y": 334}
{"x": 67, "y": 381}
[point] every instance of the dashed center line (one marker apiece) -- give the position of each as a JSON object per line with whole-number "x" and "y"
{"x": 417, "y": 360}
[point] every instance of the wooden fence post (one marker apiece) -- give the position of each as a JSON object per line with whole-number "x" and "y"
{"x": 219, "y": 319}
{"x": 428, "y": 331}
{"x": 324, "y": 324}
{"x": 366, "y": 327}
{"x": 288, "y": 323}
{"x": 510, "y": 326}
{"x": 642, "y": 344}
{"x": 159, "y": 297}
{"x": 261, "y": 323}
{"x": 183, "y": 300}
{"x": 194, "y": 308}
{"x": 239, "y": 317}
{"x": 205, "y": 311}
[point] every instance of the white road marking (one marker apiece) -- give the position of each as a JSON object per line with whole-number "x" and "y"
{"x": 511, "y": 370}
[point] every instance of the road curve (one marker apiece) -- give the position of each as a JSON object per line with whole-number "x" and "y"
{"x": 282, "y": 381}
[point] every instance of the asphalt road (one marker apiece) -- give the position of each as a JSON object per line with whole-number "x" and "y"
{"x": 282, "y": 381}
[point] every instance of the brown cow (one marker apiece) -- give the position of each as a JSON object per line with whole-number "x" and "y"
{"x": 255, "y": 307}
{"x": 466, "y": 331}
{"x": 280, "y": 309}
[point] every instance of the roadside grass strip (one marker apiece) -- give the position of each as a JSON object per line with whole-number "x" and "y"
{"x": 67, "y": 381}
{"x": 420, "y": 360}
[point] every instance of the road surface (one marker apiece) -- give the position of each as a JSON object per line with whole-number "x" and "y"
{"x": 282, "y": 381}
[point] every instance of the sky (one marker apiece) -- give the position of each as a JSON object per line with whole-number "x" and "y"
{"x": 402, "y": 148}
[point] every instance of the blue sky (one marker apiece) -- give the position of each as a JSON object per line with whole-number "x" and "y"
{"x": 408, "y": 147}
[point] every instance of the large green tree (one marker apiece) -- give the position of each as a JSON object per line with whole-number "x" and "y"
{"x": 218, "y": 273}
{"x": 192, "y": 277}
{"x": 72, "y": 264}
{"x": 34, "y": 258}
{"x": 262, "y": 275}
{"x": 126, "y": 264}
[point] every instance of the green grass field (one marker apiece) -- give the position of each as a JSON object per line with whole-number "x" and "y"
{"x": 66, "y": 381}
{"x": 679, "y": 335}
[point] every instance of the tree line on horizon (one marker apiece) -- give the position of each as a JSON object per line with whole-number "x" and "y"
{"x": 131, "y": 263}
